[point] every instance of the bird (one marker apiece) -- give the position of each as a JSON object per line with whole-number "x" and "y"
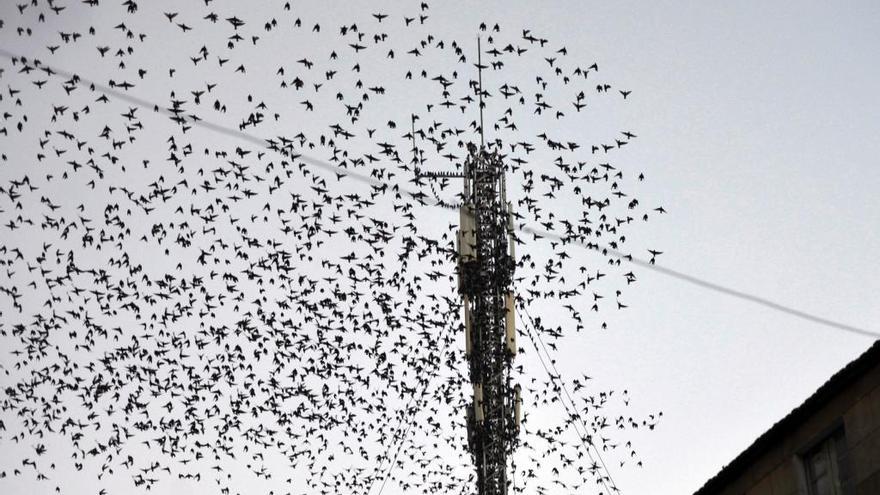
{"x": 203, "y": 274}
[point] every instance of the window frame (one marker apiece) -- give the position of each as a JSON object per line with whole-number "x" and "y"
{"x": 835, "y": 434}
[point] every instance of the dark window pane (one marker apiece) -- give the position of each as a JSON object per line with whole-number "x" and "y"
{"x": 825, "y": 466}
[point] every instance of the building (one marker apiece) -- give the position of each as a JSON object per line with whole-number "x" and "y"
{"x": 829, "y": 445}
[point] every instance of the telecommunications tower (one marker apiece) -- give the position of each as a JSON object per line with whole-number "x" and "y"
{"x": 486, "y": 261}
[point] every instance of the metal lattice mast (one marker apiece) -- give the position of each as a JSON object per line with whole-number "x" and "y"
{"x": 486, "y": 265}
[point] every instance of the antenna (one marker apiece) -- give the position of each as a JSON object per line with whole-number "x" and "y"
{"x": 486, "y": 263}
{"x": 418, "y": 158}
{"x": 480, "y": 83}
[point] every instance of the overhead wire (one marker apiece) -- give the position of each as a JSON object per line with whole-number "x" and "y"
{"x": 420, "y": 197}
{"x": 706, "y": 284}
{"x": 556, "y": 379}
{"x": 405, "y": 434}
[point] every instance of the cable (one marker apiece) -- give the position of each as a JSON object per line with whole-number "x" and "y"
{"x": 580, "y": 436}
{"x": 393, "y": 437}
{"x": 706, "y": 284}
{"x": 565, "y": 389}
{"x": 396, "y": 453}
{"x": 558, "y": 381}
{"x": 408, "y": 426}
{"x": 438, "y": 202}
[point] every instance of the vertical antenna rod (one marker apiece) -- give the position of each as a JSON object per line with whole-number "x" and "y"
{"x": 480, "y": 84}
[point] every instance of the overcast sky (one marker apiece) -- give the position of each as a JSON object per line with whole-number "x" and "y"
{"x": 760, "y": 127}
{"x": 758, "y": 133}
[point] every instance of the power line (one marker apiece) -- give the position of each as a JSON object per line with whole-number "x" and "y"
{"x": 709, "y": 285}
{"x": 408, "y": 426}
{"x": 438, "y": 202}
{"x": 379, "y": 469}
{"x": 399, "y": 446}
{"x": 561, "y": 385}
{"x": 570, "y": 399}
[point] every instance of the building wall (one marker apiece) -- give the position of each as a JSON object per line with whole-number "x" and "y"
{"x": 779, "y": 471}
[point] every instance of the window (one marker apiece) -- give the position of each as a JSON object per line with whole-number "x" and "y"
{"x": 825, "y": 466}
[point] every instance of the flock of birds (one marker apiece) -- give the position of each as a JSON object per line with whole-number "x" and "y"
{"x": 220, "y": 269}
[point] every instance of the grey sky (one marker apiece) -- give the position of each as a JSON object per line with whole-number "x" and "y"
{"x": 758, "y": 132}
{"x": 761, "y": 132}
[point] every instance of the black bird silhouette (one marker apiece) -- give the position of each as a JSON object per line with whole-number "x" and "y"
{"x": 187, "y": 299}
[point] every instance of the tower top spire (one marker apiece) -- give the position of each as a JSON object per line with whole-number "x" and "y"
{"x": 480, "y": 87}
